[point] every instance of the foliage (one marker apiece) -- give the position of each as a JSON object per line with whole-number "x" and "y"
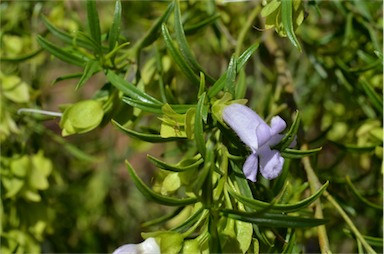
{"x": 165, "y": 72}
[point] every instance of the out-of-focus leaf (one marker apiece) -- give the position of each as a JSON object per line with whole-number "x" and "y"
{"x": 151, "y": 195}
{"x": 60, "y": 53}
{"x": 274, "y": 220}
{"x": 354, "y": 148}
{"x": 360, "y": 197}
{"x": 67, "y": 77}
{"x": 190, "y": 29}
{"x": 91, "y": 68}
{"x": 114, "y": 32}
{"x": 257, "y": 204}
{"x": 22, "y": 58}
{"x": 177, "y": 57}
{"x": 374, "y": 97}
{"x": 153, "y": 138}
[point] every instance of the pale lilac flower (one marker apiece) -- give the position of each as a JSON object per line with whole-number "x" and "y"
{"x": 259, "y": 137}
{"x": 149, "y": 246}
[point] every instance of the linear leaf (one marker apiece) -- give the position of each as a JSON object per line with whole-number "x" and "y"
{"x": 199, "y": 128}
{"x": 297, "y": 154}
{"x": 90, "y": 69}
{"x": 94, "y": 24}
{"x": 257, "y": 204}
{"x": 286, "y": 18}
{"x": 177, "y": 57}
{"x": 153, "y": 138}
{"x": 151, "y": 195}
{"x": 174, "y": 168}
{"x": 183, "y": 44}
{"x": 148, "y": 107}
{"x": 22, "y": 58}
{"x": 129, "y": 89}
{"x": 154, "y": 32}
{"x": 61, "y": 53}
{"x": 373, "y": 96}
{"x": 231, "y": 76}
{"x": 290, "y": 135}
{"x": 65, "y": 37}
{"x": 191, "y": 29}
{"x": 115, "y": 28}
{"x": 360, "y": 197}
{"x": 274, "y": 220}
{"x": 220, "y": 83}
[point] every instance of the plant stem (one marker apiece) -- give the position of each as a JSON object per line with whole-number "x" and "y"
{"x": 323, "y": 238}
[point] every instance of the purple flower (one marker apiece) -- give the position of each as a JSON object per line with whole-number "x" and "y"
{"x": 259, "y": 137}
{"x": 149, "y": 246}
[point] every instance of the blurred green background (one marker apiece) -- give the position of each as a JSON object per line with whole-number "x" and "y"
{"x": 73, "y": 194}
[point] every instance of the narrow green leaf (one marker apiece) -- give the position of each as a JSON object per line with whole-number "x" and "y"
{"x": 189, "y": 221}
{"x": 152, "y": 138}
{"x": 177, "y": 57}
{"x": 290, "y": 135}
{"x": 148, "y": 107}
{"x": 65, "y": 37}
{"x": 354, "y": 148}
{"x": 286, "y": 18}
{"x": 274, "y": 220}
{"x": 374, "y": 97}
{"x": 129, "y": 89}
{"x": 67, "y": 77}
{"x": 151, "y": 195}
{"x": 191, "y": 29}
{"x": 199, "y": 128}
{"x": 179, "y": 167}
{"x": 91, "y": 68}
{"x": 61, "y": 53}
{"x": 231, "y": 77}
{"x": 162, "y": 219}
{"x": 287, "y": 208}
{"x": 220, "y": 83}
{"x": 154, "y": 32}
{"x": 297, "y": 154}
{"x": 115, "y": 29}
{"x": 360, "y": 197}
{"x": 183, "y": 44}
{"x": 94, "y": 24}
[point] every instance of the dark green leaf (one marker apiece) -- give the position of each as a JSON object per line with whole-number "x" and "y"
{"x": 22, "y": 58}
{"x": 177, "y": 57}
{"x": 91, "y": 68}
{"x": 374, "y": 97}
{"x": 286, "y": 18}
{"x": 151, "y": 195}
{"x": 297, "y": 154}
{"x": 290, "y": 135}
{"x": 274, "y": 220}
{"x": 154, "y": 32}
{"x": 67, "y": 38}
{"x": 257, "y": 204}
{"x": 152, "y": 138}
{"x": 114, "y": 33}
{"x": 360, "y": 197}
{"x": 199, "y": 128}
{"x": 231, "y": 76}
{"x": 60, "y": 53}
{"x": 220, "y": 83}
{"x": 148, "y": 107}
{"x": 175, "y": 168}
{"x": 94, "y": 24}
{"x": 183, "y": 44}
{"x": 191, "y": 29}
{"x": 129, "y": 89}
{"x": 188, "y": 223}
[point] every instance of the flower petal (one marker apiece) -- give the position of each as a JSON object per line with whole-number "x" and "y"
{"x": 250, "y": 167}
{"x": 263, "y": 133}
{"x": 277, "y": 125}
{"x": 149, "y": 246}
{"x": 271, "y": 163}
{"x": 243, "y": 121}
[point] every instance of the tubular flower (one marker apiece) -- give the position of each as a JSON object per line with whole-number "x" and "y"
{"x": 259, "y": 137}
{"x": 149, "y": 246}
